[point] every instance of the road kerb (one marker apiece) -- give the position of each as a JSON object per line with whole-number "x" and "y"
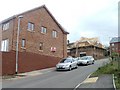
{"x": 82, "y": 82}
{"x": 114, "y": 82}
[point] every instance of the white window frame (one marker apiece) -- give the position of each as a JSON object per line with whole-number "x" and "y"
{"x": 5, "y": 26}
{"x": 23, "y": 43}
{"x": 5, "y": 45}
{"x": 30, "y": 26}
{"x": 43, "y": 30}
{"x": 54, "y": 33}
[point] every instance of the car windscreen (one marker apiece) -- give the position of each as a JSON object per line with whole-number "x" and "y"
{"x": 84, "y": 58}
{"x": 66, "y": 60}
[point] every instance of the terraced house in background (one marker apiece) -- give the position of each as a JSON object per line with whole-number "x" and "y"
{"x": 42, "y": 41}
{"x": 115, "y": 45}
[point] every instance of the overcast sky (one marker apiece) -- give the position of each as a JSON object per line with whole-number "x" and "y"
{"x": 81, "y": 18}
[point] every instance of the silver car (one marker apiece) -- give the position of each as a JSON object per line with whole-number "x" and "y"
{"x": 86, "y": 60}
{"x": 67, "y": 64}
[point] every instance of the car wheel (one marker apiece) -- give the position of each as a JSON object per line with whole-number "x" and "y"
{"x": 93, "y": 62}
{"x": 87, "y": 63}
{"x": 70, "y": 68}
{"x": 76, "y": 66}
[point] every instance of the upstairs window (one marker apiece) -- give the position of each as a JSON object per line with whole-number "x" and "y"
{"x": 30, "y": 26}
{"x": 23, "y": 43}
{"x": 43, "y": 30}
{"x": 54, "y": 34}
{"x": 4, "y": 45}
{"x": 41, "y": 46}
{"x": 112, "y": 44}
{"x": 5, "y": 26}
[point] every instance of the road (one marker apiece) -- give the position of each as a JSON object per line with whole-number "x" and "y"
{"x": 55, "y": 79}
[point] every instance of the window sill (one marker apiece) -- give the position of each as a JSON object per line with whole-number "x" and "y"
{"x": 40, "y": 50}
{"x": 43, "y": 33}
{"x": 30, "y": 30}
{"x": 54, "y": 37}
{"x": 23, "y": 48}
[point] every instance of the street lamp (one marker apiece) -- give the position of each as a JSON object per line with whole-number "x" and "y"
{"x": 18, "y": 33}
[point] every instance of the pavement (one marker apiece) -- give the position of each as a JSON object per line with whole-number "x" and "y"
{"x": 28, "y": 74}
{"x": 103, "y": 81}
{"x": 37, "y": 72}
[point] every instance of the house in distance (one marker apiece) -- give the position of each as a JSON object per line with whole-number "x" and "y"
{"x": 86, "y": 47}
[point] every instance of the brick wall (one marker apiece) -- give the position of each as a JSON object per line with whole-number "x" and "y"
{"x": 115, "y": 47}
{"x": 40, "y": 18}
{"x": 27, "y": 62}
{"x": 31, "y": 58}
{"x": 8, "y": 63}
{"x": 0, "y": 63}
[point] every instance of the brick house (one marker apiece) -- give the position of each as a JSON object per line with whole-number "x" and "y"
{"x": 42, "y": 41}
{"x": 115, "y": 45}
{"x": 86, "y": 46}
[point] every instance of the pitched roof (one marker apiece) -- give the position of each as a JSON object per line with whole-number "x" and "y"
{"x": 115, "y": 39}
{"x": 43, "y": 6}
{"x": 90, "y": 41}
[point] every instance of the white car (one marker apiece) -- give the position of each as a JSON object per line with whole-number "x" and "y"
{"x": 86, "y": 60}
{"x": 67, "y": 64}
{"x": 77, "y": 60}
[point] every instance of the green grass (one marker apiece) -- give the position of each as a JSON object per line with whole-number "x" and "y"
{"x": 117, "y": 82}
{"x": 110, "y": 68}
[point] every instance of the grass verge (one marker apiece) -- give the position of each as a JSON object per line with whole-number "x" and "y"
{"x": 110, "y": 68}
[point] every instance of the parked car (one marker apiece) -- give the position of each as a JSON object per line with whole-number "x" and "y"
{"x": 67, "y": 64}
{"x": 86, "y": 60}
{"x": 77, "y": 60}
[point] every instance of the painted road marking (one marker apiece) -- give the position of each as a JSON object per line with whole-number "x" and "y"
{"x": 91, "y": 80}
